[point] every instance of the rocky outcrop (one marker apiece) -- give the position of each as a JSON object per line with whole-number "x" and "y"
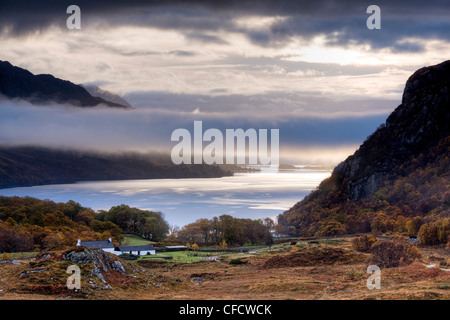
{"x": 401, "y": 169}
{"x": 419, "y": 122}
{"x": 101, "y": 260}
{"x": 101, "y": 273}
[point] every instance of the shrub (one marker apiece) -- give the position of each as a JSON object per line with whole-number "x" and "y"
{"x": 5, "y": 256}
{"x": 443, "y": 226}
{"x": 428, "y": 234}
{"x": 127, "y": 256}
{"x": 435, "y": 233}
{"x": 238, "y": 261}
{"x": 151, "y": 262}
{"x": 331, "y": 228}
{"x": 363, "y": 243}
{"x": 393, "y": 253}
{"x": 413, "y": 226}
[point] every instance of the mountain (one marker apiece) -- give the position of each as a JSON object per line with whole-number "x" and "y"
{"x": 16, "y": 82}
{"x": 28, "y": 166}
{"x": 401, "y": 171}
{"x": 106, "y": 95}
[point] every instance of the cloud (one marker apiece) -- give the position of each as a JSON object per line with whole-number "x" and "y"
{"x": 342, "y": 22}
{"x": 279, "y": 106}
{"x": 310, "y": 68}
{"x": 182, "y": 53}
{"x": 149, "y": 130}
{"x": 205, "y": 38}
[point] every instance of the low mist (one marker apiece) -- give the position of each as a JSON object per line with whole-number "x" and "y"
{"x": 146, "y": 130}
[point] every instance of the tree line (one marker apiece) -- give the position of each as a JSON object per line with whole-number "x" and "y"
{"x": 417, "y": 191}
{"x": 28, "y": 224}
{"x": 233, "y": 231}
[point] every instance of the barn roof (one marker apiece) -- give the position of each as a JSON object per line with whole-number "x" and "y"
{"x": 104, "y": 244}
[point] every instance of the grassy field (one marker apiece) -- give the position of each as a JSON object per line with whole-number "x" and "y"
{"x": 184, "y": 256}
{"x": 133, "y": 240}
{"x": 191, "y": 256}
{"x": 22, "y": 255}
{"x": 323, "y": 269}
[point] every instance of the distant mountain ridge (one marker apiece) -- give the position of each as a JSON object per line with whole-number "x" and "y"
{"x": 95, "y": 91}
{"x": 19, "y": 83}
{"x": 29, "y": 166}
{"x": 411, "y": 151}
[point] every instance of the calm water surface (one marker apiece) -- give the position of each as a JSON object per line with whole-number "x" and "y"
{"x": 244, "y": 195}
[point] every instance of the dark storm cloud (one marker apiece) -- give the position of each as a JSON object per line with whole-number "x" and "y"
{"x": 342, "y": 22}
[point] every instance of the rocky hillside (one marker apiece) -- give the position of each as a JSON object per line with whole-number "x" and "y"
{"x": 102, "y": 275}
{"x": 19, "y": 83}
{"x": 417, "y": 124}
{"x": 403, "y": 165}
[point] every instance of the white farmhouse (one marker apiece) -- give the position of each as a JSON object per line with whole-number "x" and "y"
{"x": 105, "y": 245}
{"x": 108, "y": 246}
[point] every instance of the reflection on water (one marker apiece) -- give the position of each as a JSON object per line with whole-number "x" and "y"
{"x": 245, "y": 195}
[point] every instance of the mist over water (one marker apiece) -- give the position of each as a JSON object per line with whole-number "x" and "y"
{"x": 182, "y": 201}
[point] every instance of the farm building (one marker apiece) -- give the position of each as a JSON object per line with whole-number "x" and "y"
{"x": 136, "y": 250}
{"x": 105, "y": 245}
{"x": 108, "y": 246}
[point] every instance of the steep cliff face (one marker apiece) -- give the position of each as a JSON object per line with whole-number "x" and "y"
{"x": 414, "y": 142}
{"x": 418, "y": 123}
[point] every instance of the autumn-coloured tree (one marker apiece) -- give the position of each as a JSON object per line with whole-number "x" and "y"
{"x": 5, "y": 256}
{"x": 269, "y": 224}
{"x": 400, "y": 224}
{"x": 291, "y": 230}
{"x": 85, "y": 216}
{"x": 147, "y": 224}
{"x": 233, "y": 230}
{"x": 416, "y": 190}
{"x": 223, "y": 245}
{"x": 443, "y": 229}
{"x": 28, "y": 224}
{"x": 393, "y": 253}
{"x": 363, "y": 243}
{"x": 14, "y": 238}
{"x": 413, "y": 226}
{"x": 54, "y": 240}
{"x": 332, "y": 228}
{"x": 434, "y": 232}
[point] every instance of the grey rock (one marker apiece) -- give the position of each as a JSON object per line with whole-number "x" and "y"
{"x": 23, "y": 274}
{"x": 117, "y": 265}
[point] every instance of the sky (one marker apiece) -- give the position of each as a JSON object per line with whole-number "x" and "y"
{"x": 311, "y": 69}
